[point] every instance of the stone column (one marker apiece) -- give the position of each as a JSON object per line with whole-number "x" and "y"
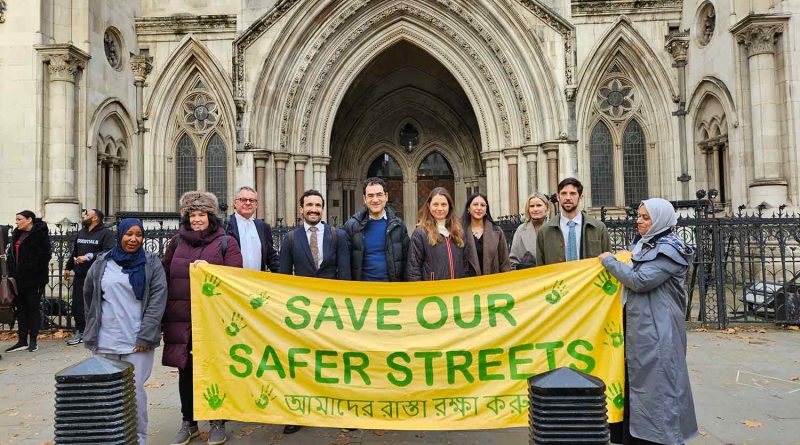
{"x": 280, "y": 185}
{"x": 769, "y": 182}
{"x": 492, "y": 166}
{"x": 261, "y": 157}
{"x": 551, "y": 152}
{"x": 531, "y": 153}
{"x": 512, "y": 157}
{"x": 320, "y": 170}
{"x": 141, "y": 65}
{"x": 678, "y": 46}
{"x": 64, "y": 62}
{"x": 299, "y": 175}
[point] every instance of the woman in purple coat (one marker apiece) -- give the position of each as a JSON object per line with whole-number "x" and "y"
{"x": 201, "y": 238}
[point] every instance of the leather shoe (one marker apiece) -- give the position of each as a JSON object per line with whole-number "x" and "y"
{"x": 291, "y": 429}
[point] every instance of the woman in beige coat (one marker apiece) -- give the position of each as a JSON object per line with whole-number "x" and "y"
{"x": 523, "y": 245}
{"x": 487, "y": 248}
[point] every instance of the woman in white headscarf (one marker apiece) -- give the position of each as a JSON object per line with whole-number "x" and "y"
{"x": 659, "y": 408}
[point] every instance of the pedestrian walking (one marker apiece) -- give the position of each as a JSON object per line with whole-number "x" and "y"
{"x": 659, "y": 408}
{"x": 253, "y": 235}
{"x": 436, "y": 250}
{"x": 93, "y": 239}
{"x": 126, "y": 294}
{"x": 28, "y": 261}
{"x": 488, "y": 248}
{"x": 574, "y": 235}
{"x": 378, "y": 238}
{"x": 200, "y": 238}
{"x": 523, "y": 245}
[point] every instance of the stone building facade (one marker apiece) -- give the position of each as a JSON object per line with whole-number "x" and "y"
{"x": 124, "y": 105}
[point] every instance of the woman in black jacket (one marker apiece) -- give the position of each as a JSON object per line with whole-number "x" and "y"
{"x": 28, "y": 261}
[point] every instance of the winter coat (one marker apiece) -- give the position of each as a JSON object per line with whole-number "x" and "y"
{"x": 396, "y": 244}
{"x": 153, "y": 303}
{"x": 95, "y": 241}
{"x": 31, "y": 267}
{"x": 443, "y": 261}
{"x": 495, "y": 251}
{"x": 550, "y": 241}
{"x": 523, "y": 246}
{"x": 177, "y": 324}
{"x": 660, "y": 397}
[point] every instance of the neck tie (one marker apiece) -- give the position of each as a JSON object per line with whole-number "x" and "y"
{"x": 572, "y": 242}
{"x": 314, "y": 246}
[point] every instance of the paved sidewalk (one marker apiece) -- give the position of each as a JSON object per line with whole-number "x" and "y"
{"x": 743, "y": 387}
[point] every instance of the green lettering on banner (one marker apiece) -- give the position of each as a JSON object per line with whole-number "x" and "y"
{"x": 248, "y": 365}
{"x": 264, "y": 365}
{"x": 476, "y": 308}
{"x": 505, "y": 310}
{"x": 421, "y": 313}
{"x": 294, "y": 363}
{"x": 463, "y": 367}
{"x": 383, "y": 313}
{"x": 428, "y": 356}
{"x": 349, "y": 367}
{"x": 392, "y": 363}
{"x": 514, "y": 362}
{"x": 484, "y": 364}
{"x": 320, "y": 365}
{"x": 586, "y": 359}
{"x": 551, "y": 352}
{"x": 306, "y": 317}
{"x": 358, "y": 321}
{"x": 329, "y": 305}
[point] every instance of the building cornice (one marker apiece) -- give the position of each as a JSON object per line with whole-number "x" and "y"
{"x": 184, "y": 24}
{"x": 629, "y": 7}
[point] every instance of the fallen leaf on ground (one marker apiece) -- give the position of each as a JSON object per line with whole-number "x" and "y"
{"x": 154, "y": 385}
{"x": 795, "y": 379}
{"x": 752, "y": 424}
{"x": 47, "y": 443}
{"x": 729, "y": 331}
{"x": 378, "y": 432}
{"x": 700, "y": 330}
{"x": 794, "y": 328}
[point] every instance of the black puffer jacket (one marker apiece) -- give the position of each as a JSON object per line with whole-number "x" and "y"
{"x": 30, "y": 268}
{"x": 396, "y": 244}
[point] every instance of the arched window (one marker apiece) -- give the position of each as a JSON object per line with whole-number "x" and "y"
{"x": 185, "y": 167}
{"x": 601, "y": 165}
{"x": 634, "y": 164}
{"x": 217, "y": 168}
{"x": 434, "y": 171}
{"x": 385, "y": 167}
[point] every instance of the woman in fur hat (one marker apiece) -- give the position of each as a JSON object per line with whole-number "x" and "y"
{"x": 201, "y": 237}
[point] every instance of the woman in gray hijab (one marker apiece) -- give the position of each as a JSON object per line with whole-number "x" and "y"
{"x": 659, "y": 408}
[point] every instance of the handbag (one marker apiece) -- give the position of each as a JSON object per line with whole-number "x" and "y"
{"x": 8, "y": 285}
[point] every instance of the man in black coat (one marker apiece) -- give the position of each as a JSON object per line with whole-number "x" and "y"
{"x": 93, "y": 239}
{"x": 378, "y": 238}
{"x": 253, "y": 235}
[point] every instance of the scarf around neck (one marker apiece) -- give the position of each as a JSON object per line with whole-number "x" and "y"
{"x": 132, "y": 263}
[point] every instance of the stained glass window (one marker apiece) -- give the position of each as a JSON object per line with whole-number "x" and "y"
{"x": 217, "y": 168}
{"x": 601, "y": 160}
{"x": 185, "y": 167}
{"x": 634, "y": 164}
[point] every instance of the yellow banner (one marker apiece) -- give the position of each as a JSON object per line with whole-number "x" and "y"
{"x": 440, "y": 355}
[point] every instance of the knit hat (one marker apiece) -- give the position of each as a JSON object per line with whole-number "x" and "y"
{"x": 197, "y": 200}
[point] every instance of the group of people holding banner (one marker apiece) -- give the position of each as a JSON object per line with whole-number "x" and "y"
{"x": 131, "y": 296}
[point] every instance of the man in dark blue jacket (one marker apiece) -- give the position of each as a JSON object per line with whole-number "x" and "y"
{"x": 92, "y": 240}
{"x": 253, "y": 235}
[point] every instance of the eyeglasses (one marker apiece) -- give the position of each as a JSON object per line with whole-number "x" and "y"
{"x": 247, "y": 200}
{"x": 375, "y": 195}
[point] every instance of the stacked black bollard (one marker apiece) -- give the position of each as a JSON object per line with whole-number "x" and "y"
{"x": 567, "y": 406}
{"x": 96, "y": 403}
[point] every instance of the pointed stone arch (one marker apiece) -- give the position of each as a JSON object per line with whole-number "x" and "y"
{"x": 190, "y": 74}
{"x": 108, "y": 166}
{"x": 624, "y": 53}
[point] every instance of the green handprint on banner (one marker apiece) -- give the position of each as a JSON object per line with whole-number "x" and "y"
{"x": 615, "y": 396}
{"x": 212, "y": 397}
{"x": 614, "y": 333}
{"x": 606, "y": 283}
{"x": 557, "y": 292}
{"x": 210, "y": 285}
{"x": 258, "y": 301}
{"x": 266, "y": 396}
{"x": 237, "y": 324}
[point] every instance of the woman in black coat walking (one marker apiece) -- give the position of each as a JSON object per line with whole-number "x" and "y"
{"x": 28, "y": 261}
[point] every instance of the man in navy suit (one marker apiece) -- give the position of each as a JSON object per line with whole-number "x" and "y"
{"x": 253, "y": 235}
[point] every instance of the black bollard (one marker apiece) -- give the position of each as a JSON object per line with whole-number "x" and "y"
{"x": 96, "y": 403}
{"x": 567, "y": 406}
